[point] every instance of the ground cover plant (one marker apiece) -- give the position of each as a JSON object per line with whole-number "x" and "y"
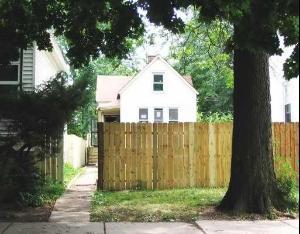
{"x": 154, "y": 206}
{"x": 70, "y": 172}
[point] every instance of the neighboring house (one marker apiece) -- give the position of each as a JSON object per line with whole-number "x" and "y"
{"x": 157, "y": 93}
{"x": 284, "y": 94}
{"x": 32, "y": 69}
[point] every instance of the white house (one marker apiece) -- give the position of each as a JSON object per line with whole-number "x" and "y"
{"x": 32, "y": 69}
{"x": 284, "y": 94}
{"x": 157, "y": 93}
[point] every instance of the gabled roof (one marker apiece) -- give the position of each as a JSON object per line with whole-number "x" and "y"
{"x": 187, "y": 79}
{"x": 109, "y": 87}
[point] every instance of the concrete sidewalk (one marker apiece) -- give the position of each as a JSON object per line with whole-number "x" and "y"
{"x": 74, "y": 204}
{"x": 204, "y": 226}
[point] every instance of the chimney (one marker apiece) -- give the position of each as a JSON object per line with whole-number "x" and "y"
{"x": 150, "y": 58}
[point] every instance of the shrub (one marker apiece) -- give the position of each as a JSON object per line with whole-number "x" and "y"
{"x": 45, "y": 192}
{"x": 216, "y": 117}
{"x": 287, "y": 182}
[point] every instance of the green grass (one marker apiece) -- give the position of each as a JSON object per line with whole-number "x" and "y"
{"x": 153, "y": 206}
{"x": 48, "y": 191}
{"x": 70, "y": 172}
{"x": 45, "y": 193}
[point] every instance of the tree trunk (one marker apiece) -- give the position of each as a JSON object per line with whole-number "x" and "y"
{"x": 252, "y": 186}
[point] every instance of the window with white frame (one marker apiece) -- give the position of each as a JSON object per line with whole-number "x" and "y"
{"x": 158, "y": 115}
{"x": 158, "y": 82}
{"x": 143, "y": 115}
{"x": 288, "y": 114}
{"x": 9, "y": 76}
{"x": 173, "y": 115}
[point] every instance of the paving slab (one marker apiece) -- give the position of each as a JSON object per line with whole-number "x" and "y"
{"x": 3, "y": 226}
{"x": 292, "y": 222}
{"x": 151, "y": 228}
{"x": 74, "y": 204}
{"x": 246, "y": 227}
{"x": 55, "y": 228}
{"x": 61, "y": 216}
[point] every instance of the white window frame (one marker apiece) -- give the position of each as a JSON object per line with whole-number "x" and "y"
{"x": 144, "y": 120}
{"x": 162, "y": 83}
{"x": 173, "y": 120}
{"x": 288, "y": 112}
{"x": 17, "y": 82}
{"x": 162, "y": 111}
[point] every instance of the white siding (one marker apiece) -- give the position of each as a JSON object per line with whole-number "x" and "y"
{"x": 292, "y": 97}
{"x": 28, "y": 70}
{"x": 282, "y": 91}
{"x": 177, "y": 94}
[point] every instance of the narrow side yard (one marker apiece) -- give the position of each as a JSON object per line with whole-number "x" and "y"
{"x": 154, "y": 206}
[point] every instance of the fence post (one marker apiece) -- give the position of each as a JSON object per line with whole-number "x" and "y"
{"x": 155, "y": 162}
{"x": 100, "y": 156}
{"x": 60, "y": 159}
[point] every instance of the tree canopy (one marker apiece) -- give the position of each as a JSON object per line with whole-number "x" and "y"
{"x": 201, "y": 52}
{"x": 92, "y": 27}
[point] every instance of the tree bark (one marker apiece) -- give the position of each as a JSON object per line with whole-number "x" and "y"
{"x": 252, "y": 186}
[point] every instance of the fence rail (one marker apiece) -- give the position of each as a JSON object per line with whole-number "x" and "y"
{"x": 176, "y": 155}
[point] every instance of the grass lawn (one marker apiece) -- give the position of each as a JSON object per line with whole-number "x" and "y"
{"x": 70, "y": 172}
{"x": 153, "y": 206}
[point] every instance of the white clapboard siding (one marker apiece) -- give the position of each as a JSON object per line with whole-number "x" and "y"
{"x": 28, "y": 70}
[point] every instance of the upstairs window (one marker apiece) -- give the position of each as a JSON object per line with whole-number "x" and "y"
{"x": 158, "y": 84}
{"x": 9, "y": 77}
{"x": 143, "y": 115}
{"x": 288, "y": 115}
{"x": 173, "y": 115}
{"x": 9, "y": 74}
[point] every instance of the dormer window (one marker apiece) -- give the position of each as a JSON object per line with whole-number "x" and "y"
{"x": 158, "y": 84}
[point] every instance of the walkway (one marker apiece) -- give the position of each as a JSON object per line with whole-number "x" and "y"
{"x": 202, "y": 227}
{"x": 74, "y": 205}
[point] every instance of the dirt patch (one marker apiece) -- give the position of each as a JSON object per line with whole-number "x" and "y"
{"x": 15, "y": 213}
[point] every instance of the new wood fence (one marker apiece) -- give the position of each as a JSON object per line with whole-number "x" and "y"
{"x": 52, "y": 165}
{"x": 176, "y": 155}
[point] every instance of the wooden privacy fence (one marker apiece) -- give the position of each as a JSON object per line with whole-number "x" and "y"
{"x": 52, "y": 165}
{"x": 175, "y": 155}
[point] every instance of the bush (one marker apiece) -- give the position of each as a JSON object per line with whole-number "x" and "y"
{"x": 216, "y": 117}
{"x": 45, "y": 193}
{"x": 287, "y": 182}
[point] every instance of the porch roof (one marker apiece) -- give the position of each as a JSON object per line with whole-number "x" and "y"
{"x": 108, "y": 88}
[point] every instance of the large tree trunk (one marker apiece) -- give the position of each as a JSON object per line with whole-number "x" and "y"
{"x": 252, "y": 186}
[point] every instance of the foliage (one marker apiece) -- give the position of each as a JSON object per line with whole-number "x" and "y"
{"x": 201, "y": 54}
{"x": 70, "y": 172}
{"x": 80, "y": 121}
{"x": 90, "y": 27}
{"x": 153, "y": 206}
{"x": 216, "y": 117}
{"x": 287, "y": 182}
{"x": 256, "y": 23}
{"x": 30, "y": 120}
{"x": 46, "y": 192}
{"x": 108, "y": 27}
